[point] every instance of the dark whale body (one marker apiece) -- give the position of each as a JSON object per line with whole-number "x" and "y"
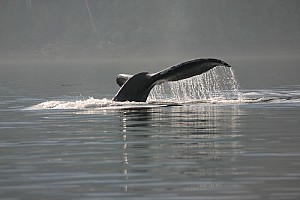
{"x": 137, "y": 87}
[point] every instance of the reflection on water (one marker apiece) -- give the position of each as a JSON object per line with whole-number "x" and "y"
{"x": 197, "y": 150}
{"x": 188, "y": 141}
{"x": 57, "y": 144}
{"x": 164, "y": 151}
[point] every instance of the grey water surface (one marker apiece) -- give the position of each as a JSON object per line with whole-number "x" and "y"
{"x": 246, "y": 149}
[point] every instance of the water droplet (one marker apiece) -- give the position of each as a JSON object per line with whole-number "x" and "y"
{"x": 218, "y": 83}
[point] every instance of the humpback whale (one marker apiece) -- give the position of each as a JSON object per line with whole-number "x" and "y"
{"x": 137, "y": 87}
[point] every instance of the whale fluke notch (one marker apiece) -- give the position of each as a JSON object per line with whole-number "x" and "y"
{"x": 137, "y": 87}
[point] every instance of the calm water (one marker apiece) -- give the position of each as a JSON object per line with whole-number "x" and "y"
{"x": 61, "y": 138}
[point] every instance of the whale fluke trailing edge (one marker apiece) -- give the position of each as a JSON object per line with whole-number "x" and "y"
{"x": 137, "y": 87}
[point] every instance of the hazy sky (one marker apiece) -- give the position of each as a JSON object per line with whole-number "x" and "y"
{"x": 169, "y": 27}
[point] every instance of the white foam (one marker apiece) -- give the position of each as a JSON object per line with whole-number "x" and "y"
{"x": 78, "y": 104}
{"x": 90, "y": 104}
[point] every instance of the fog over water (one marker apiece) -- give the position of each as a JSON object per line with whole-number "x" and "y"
{"x": 252, "y": 36}
{"x": 168, "y": 28}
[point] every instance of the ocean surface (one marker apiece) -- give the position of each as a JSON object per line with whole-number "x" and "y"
{"x": 61, "y": 136}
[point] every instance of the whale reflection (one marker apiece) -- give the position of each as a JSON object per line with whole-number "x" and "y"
{"x": 159, "y": 140}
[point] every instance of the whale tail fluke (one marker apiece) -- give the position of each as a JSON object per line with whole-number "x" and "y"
{"x": 137, "y": 87}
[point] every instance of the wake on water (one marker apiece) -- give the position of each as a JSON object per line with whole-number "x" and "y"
{"x": 217, "y": 86}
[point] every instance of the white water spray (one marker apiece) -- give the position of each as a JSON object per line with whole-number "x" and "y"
{"x": 215, "y": 85}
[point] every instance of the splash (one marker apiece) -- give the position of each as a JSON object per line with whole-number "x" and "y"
{"x": 90, "y": 104}
{"x": 69, "y": 104}
{"x": 215, "y": 85}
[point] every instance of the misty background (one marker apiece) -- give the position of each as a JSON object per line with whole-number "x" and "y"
{"x": 143, "y": 28}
